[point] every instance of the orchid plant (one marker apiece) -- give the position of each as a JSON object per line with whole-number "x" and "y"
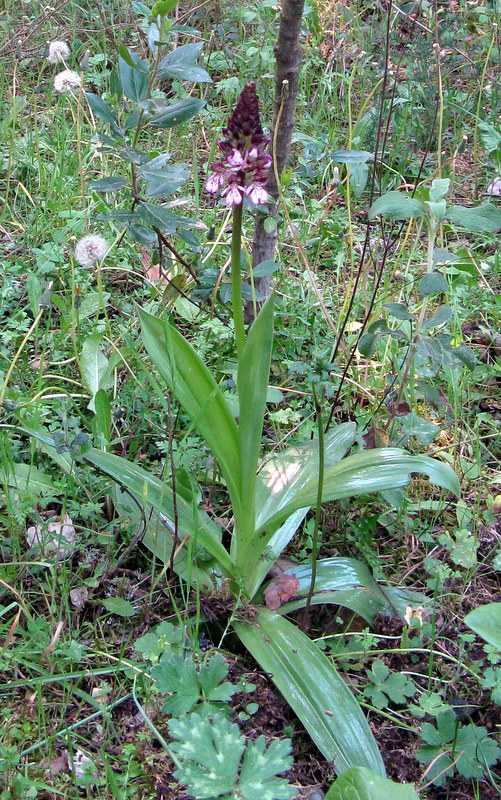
{"x": 243, "y": 173}
{"x": 269, "y": 497}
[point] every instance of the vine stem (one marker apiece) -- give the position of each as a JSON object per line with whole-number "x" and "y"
{"x": 236, "y": 279}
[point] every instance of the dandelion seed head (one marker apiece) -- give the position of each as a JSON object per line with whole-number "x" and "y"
{"x": 91, "y": 249}
{"x": 58, "y": 51}
{"x": 67, "y": 80}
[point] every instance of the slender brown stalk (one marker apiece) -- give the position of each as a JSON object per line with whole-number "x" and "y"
{"x": 288, "y": 63}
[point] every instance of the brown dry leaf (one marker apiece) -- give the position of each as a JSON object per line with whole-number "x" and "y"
{"x": 59, "y": 763}
{"x": 280, "y": 590}
{"x": 400, "y": 409}
{"x": 156, "y": 275}
{"x": 146, "y": 258}
{"x": 79, "y": 597}
{"x": 375, "y": 437}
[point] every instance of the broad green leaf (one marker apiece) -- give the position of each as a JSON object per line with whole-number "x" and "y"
{"x": 94, "y": 367}
{"x": 396, "y": 206}
{"x": 283, "y": 476}
{"x": 485, "y": 218}
{"x": 119, "y": 606}
{"x": 180, "y": 64}
{"x": 486, "y": 622}
{"x": 398, "y": 311}
{"x": 100, "y": 108}
{"x": 27, "y": 480}
{"x": 359, "y": 174}
{"x": 194, "y": 387}
{"x": 412, "y": 424}
{"x": 436, "y": 211}
{"x": 441, "y": 316}
{"x": 108, "y": 185}
{"x": 363, "y": 473}
{"x": 265, "y": 268}
{"x": 314, "y": 689}
{"x": 158, "y": 217}
{"x": 432, "y": 283}
{"x": 346, "y": 582}
{"x": 280, "y": 478}
{"x": 192, "y": 562}
{"x": 352, "y": 156}
{"x": 102, "y": 407}
{"x": 177, "y": 113}
{"x": 439, "y": 189}
{"x": 90, "y": 304}
{"x": 133, "y": 75}
{"x": 150, "y": 491}
{"x": 252, "y": 386}
{"x": 360, "y": 783}
{"x": 162, "y": 8}
{"x": 161, "y": 177}
{"x": 389, "y": 600}
{"x": 490, "y": 136}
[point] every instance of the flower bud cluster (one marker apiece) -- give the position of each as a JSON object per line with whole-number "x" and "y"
{"x": 244, "y": 170}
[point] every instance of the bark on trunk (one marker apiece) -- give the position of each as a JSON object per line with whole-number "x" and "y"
{"x": 288, "y": 62}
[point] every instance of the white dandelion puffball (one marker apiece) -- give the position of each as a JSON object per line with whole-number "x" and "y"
{"x": 58, "y": 51}
{"x": 91, "y": 249}
{"x": 67, "y": 80}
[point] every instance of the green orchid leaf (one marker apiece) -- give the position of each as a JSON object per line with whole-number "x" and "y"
{"x": 252, "y": 384}
{"x": 360, "y": 783}
{"x": 279, "y": 480}
{"x": 46, "y": 442}
{"x": 365, "y": 472}
{"x": 192, "y": 563}
{"x": 314, "y": 689}
{"x": 28, "y": 481}
{"x": 192, "y": 384}
{"x": 150, "y": 491}
{"x": 276, "y": 545}
{"x": 347, "y": 582}
{"x": 284, "y": 476}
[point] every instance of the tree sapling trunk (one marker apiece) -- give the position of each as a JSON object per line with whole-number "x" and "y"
{"x": 288, "y": 62}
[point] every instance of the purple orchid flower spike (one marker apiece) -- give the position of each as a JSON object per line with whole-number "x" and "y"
{"x": 244, "y": 170}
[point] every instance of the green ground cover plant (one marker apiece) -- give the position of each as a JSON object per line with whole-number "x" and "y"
{"x": 213, "y": 541}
